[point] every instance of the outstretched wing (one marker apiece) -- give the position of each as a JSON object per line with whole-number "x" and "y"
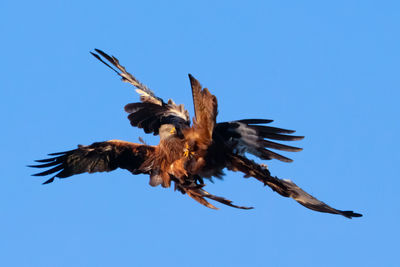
{"x": 146, "y": 95}
{"x": 205, "y": 108}
{"x": 151, "y": 116}
{"x": 249, "y": 136}
{"x": 200, "y": 136}
{"x": 98, "y": 157}
{"x": 285, "y": 188}
{"x": 152, "y": 112}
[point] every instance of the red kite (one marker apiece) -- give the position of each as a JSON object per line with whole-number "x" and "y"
{"x": 186, "y": 153}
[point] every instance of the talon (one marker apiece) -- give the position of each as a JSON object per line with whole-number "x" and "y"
{"x": 186, "y": 153}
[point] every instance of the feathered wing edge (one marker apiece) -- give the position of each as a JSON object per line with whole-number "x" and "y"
{"x": 250, "y": 136}
{"x": 153, "y": 111}
{"x": 110, "y": 155}
{"x": 97, "y": 157}
{"x": 205, "y": 107}
{"x": 285, "y": 188}
{"x": 146, "y": 95}
{"x": 150, "y": 116}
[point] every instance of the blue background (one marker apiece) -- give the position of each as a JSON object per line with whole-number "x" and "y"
{"x": 328, "y": 69}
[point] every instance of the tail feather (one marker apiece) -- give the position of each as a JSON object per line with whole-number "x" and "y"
{"x": 196, "y": 191}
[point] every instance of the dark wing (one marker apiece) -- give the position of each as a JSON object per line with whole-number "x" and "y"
{"x": 285, "y": 188}
{"x": 153, "y": 111}
{"x": 98, "y": 157}
{"x": 249, "y": 136}
{"x": 151, "y": 116}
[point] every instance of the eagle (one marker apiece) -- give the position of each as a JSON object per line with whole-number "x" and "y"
{"x": 189, "y": 152}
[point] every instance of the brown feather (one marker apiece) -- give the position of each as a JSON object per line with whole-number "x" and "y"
{"x": 205, "y": 107}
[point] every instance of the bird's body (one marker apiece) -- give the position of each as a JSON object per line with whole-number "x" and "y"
{"x": 167, "y": 159}
{"x": 186, "y": 153}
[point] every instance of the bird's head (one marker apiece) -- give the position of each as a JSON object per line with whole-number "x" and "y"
{"x": 167, "y": 130}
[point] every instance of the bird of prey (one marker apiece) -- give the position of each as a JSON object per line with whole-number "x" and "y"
{"x": 188, "y": 153}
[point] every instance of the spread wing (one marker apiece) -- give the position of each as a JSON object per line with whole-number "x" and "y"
{"x": 200, "y": 136}
{"x": 146, "y": 95}
{"x": 285, "y": 188}
{"x": 151, "y": 116}
{"x": 249, "y": 136}
{"x": 152, "y": 111}
{"x": 205, "y": 108}
{"x": 98, "y": 157}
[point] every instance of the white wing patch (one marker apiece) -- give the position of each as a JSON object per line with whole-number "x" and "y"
{"x": 178, "y": 110}
{"x": 248, "y": 141}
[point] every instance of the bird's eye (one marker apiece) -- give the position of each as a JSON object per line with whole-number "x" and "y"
{"x": 173, "y": 130}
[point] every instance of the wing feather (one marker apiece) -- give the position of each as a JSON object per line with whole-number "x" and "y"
{"x": 199, "y": 137}
{"x": 284, "y": 187}
{"x": 151, "y": 116}
{"x": 246, "y": 136}
{"x": 98, "y": 157}
{"x": 205, "y": 107}
{"x": 152, "y": 112}
{"x": 146, "y": 95}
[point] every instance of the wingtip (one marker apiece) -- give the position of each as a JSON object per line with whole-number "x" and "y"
{"x": 34, "y": 166}
{"x": 95, "y": 55}
{"x": 99, "y": 51}
{"x": 192, "y": 79}
{"x": 49, "y": 181}
{"x": 194, "y": 83}
{"x": 350, "y": 214}
{"x": 255, "y": 121}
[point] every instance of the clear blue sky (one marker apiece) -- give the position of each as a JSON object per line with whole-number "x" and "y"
{"x": 328, "y": 70}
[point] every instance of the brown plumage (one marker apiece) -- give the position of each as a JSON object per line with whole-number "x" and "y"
{"x": 186, "y": 155}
